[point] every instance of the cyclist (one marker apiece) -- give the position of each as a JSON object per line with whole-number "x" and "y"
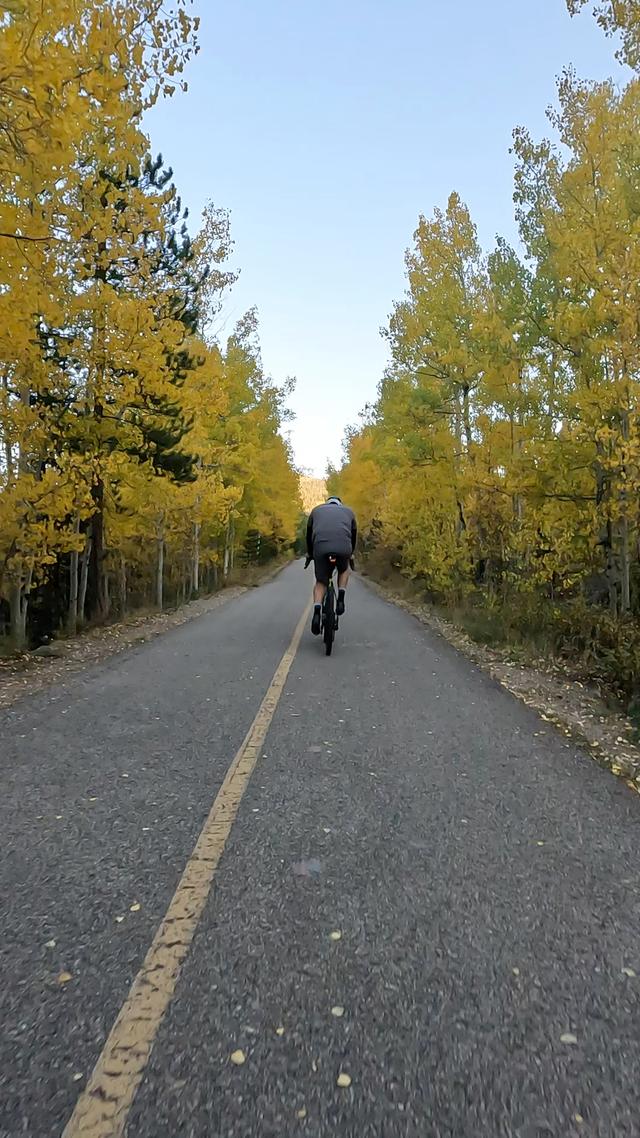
{"x": 331, "y": 532}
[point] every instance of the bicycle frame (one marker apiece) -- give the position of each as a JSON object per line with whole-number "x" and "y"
{"x": 329, "y": 617}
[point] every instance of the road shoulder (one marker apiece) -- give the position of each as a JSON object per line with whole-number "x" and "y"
{"x": 28, "y": 672}
{"x": 574, "y": 708}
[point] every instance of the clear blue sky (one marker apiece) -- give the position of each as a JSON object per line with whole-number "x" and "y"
{"x": 327, "y": 129}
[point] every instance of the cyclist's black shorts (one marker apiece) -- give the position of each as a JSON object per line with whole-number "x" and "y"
{"x": 323, "y": 568}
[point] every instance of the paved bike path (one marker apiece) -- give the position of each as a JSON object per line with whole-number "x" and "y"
{"x": 482, "y": 876}
{"x": 106, "y": 782}
{"x": 480, "y": 871}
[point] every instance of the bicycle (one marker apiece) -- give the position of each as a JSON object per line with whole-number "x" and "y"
{"x": 330, "y": 622}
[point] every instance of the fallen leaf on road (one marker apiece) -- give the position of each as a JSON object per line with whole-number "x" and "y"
{"x": 64, "y": 978}
{"x": 119, "y": 920}
{"x": 136, "y": 907}
{"x": 568, "y": 1037}
{"x": 78, "y": 1075}
{"x": 578, "y": 1118}
{"x": 301, "y": 1113}
{"x": 516, "y": 971}
{"x": 279, "y": 1031}
{"x": 338, "y": 1012}
{"x": 337, "y": 935}
{"x": 50, "y": 944}
{"x": 625, "y": 971}
{"x": 310, "y": 868}
{"x": 238, "y": 1057}
{"x": 344, "y": 1080}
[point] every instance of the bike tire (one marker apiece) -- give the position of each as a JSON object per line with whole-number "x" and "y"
{"x": 329, "y": 621}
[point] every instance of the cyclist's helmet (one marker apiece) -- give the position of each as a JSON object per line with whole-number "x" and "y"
{"x": 334, "y": 500}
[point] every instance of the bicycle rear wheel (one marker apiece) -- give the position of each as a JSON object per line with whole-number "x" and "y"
{"x": 329, "y": 620}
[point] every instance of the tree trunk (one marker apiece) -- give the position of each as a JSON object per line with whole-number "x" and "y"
{"x": 72, "y": 611}
{"x": 553, "y": 368}
{"x": 84, "y": 578}
{"x": 160, "y": 569}
{"x": 625, "y": 568}
{"x": 466, "y": 418}
{"x": 612, "y": 575}
{"x": 227, "y": 549}
{"x": 195, "y": 572}
{"x": 8, "y": 451}
{"x": 123, "y": 585}
{"x": 625, "y": 554}
{"x": 606, "y": 540}
{"x": 97, "y": 591}
{"x": 18, "y": 605}
{"x": 19, "y": 591}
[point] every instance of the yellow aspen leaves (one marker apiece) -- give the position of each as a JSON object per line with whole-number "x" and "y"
{"x": 500, "y": 463}
{"x": 138, "y": 456}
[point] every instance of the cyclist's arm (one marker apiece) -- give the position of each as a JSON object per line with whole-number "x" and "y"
{"x": 310, "y": 537}
{"x": 354, "y": 535}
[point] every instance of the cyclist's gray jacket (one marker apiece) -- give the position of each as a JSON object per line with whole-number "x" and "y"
{"x": 331, "y": 529}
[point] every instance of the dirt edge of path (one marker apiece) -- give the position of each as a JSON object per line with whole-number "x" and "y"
{"x": 575, "y": 709}
{"x": 28, "y": 673}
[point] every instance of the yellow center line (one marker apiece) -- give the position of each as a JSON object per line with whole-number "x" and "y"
{"x": 103, "y": 1108}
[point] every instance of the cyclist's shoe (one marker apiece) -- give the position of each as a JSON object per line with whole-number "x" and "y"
{"x": 340, "y": 604}
{"x": 316, "y": 621}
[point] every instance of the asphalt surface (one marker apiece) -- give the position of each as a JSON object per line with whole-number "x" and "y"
{"x": 483, "y": 875}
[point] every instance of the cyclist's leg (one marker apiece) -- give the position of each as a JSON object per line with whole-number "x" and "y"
{"x": 322, "y": 570}
{"x": 343, "y": 581}
{"x": 319, "y": 591}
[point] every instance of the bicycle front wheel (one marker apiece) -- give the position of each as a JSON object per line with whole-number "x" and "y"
{"x": 329, "y": 621}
